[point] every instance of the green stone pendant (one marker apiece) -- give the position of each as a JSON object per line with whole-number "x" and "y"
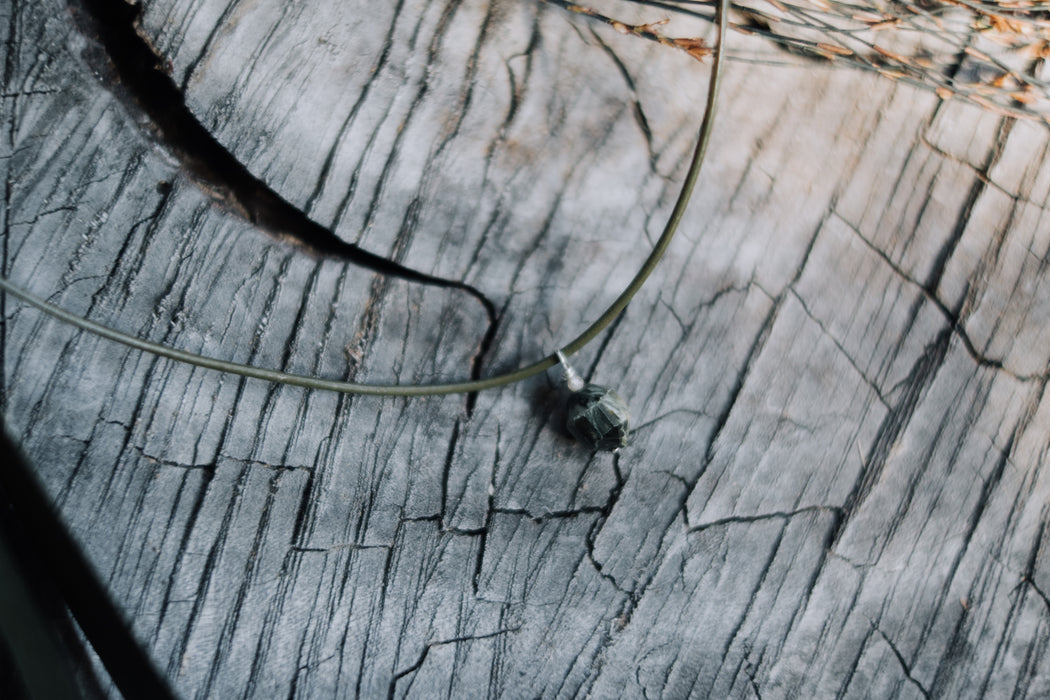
{"x": 597, "y": 417}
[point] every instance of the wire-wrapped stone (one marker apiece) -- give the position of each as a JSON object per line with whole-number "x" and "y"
{"x": 598, "y": 418}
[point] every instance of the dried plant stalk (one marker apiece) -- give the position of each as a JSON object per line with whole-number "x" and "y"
{"x": 992, "y": 54}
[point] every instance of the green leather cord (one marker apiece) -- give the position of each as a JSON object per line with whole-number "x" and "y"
{"x": 468, "y": 386}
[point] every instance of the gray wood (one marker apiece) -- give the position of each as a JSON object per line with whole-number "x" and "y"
{"x": 837, "y": 485}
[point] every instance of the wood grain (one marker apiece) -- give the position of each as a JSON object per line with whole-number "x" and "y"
{"x": 837, "y": 481}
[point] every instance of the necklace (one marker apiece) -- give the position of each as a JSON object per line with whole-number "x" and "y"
{"x": 597, "y": 416}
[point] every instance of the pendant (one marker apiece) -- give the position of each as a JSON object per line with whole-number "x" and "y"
{"x": 597, "y": 416}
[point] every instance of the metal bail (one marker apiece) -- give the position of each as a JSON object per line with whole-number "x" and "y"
{"x": 574, "y": 380}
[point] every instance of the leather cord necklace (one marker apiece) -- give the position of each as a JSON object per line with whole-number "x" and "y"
{"x": 598, "y": 417}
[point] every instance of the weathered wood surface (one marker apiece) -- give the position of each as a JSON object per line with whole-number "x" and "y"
{"x": 838, "y": 482}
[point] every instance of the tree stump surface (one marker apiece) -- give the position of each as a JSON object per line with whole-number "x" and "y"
{"x": 837, "y": 482}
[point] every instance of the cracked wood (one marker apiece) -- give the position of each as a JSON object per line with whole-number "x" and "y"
{"x": 838, "y": 482}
